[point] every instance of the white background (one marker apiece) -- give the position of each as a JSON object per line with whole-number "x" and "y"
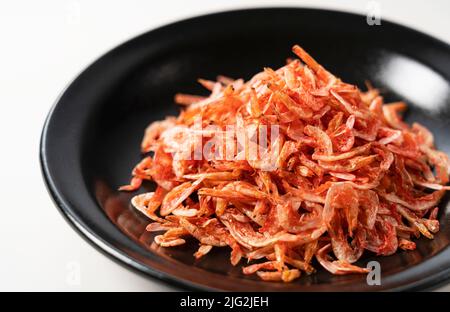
{"x": 43, "y": 45}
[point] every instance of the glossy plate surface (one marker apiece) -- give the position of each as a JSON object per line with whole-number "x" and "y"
{"x": 91, "y": 138}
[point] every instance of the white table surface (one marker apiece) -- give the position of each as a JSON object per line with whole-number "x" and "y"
{"x": 44, "y": 44}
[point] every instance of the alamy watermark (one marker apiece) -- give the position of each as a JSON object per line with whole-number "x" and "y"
{"x": 260, "y": 144}
{"x": 374, "y": 276}
{"x": 373, "y": 16}
{"x": 73, "y": 13}
{"x": 73, "y": 273}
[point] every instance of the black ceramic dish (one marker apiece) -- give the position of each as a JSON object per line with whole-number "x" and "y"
{"x": 90, "y": 140}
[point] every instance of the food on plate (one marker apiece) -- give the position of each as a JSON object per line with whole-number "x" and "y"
{"x": 291, "y": 169}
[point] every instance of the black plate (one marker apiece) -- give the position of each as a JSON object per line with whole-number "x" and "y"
{"x": 90, "y": 140}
